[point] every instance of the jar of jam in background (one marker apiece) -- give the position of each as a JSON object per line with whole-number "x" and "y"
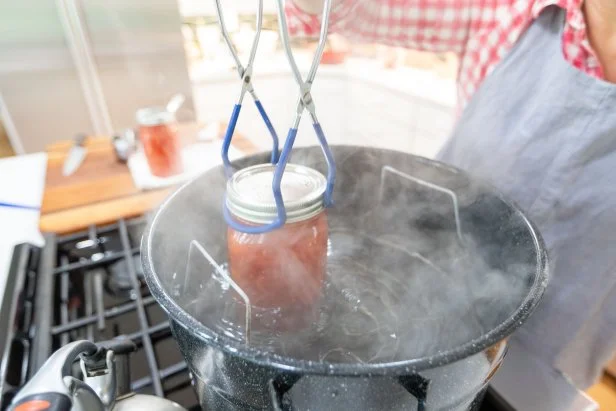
{"x": 160, "y": 141}
{"x": 281, "y": 271}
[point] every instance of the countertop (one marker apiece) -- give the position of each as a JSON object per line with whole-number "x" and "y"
{"x": 102, "y": 189}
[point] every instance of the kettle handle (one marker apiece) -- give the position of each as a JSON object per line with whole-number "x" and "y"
{"x": 47, "y": 401}
{"x": 47, "y": 389}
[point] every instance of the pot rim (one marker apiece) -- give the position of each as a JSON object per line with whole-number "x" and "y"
{"x": 235, "y": 348}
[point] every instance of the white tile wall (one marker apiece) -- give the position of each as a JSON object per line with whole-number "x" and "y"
{"x": 351, "y": 111}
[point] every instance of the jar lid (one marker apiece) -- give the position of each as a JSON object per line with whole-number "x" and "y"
{"x": 154, "y": 116}
{"x": 251, "y": 199}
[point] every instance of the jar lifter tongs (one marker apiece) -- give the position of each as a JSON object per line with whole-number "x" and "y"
{"x": 305, "y": 102}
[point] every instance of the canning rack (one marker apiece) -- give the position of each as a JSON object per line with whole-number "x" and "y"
{"x": 305, "y": 102}
{"x": 223, "y": 276}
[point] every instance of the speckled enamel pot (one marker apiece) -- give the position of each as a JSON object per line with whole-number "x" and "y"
{"x": 228, "y": 375}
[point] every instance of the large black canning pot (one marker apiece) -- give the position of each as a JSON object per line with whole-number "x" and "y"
{"x": 452, "y": 316}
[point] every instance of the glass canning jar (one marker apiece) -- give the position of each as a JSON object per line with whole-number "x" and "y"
{"x": 160, "y": 141}
{"x": 281, "y": 271}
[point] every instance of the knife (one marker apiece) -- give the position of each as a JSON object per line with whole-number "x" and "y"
{"x": 75, "y": 156}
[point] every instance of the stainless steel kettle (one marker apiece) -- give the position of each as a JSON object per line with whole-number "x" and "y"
{"x": 85, "y": 376}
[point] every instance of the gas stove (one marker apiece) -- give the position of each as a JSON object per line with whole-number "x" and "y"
{"x": 89, "y": 285}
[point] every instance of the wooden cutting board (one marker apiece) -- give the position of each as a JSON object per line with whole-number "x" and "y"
{"x": 102, "y": 189}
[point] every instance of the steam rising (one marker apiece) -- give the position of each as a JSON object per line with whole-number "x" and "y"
{"x": 400, "y": 284}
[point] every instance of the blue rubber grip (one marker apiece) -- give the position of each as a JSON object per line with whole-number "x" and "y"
{"x": 331, "y": 166}
{"x": 226, "y": 143}
{"x": 278, "y": 173}
{"x": 271, "y": 129}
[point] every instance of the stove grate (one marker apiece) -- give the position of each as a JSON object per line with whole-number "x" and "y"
{"x": 99, "y": 294}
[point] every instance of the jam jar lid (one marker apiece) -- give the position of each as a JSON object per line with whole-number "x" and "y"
{"x": 251, "y": 199}
{"x": 154, "y": 116}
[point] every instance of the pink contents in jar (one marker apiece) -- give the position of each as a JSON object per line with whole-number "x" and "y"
{"x": 281, "y": 271}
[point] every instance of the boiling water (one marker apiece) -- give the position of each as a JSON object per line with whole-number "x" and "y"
{"x": 383, "y": 300}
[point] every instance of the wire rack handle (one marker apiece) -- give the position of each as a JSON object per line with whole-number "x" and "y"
{"x": 444, "y": 190}
{"x": 194, "y": 244}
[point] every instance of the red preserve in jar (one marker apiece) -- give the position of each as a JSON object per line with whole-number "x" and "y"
{"x": 160, "y": 141}
{"x": 282, "y": 270}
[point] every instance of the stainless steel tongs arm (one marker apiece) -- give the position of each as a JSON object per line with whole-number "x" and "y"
{"x": 245, "y": 74}
{"x": 305, "y": 101}
{"x": 305, "y": 86}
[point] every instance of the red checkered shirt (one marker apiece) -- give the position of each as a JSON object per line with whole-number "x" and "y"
{"x": 480, "y": 32}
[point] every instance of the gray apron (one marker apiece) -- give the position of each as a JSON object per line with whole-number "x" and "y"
{"x": 544, "y": 133}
